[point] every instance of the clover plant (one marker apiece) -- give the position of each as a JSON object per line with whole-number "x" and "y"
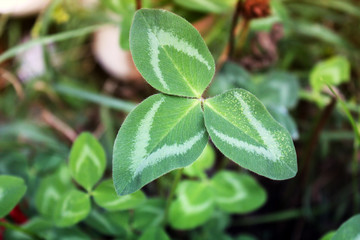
{"x": 169, "y": 130}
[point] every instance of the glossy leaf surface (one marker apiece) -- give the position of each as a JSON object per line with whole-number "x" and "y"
{"x": 243, "y": 130}
{"x": 87, "y": 160}
{"x": 163, "y": 133}
{"x": 170, "y": 53}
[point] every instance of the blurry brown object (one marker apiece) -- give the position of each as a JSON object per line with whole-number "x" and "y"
{"x": 256, "y": 9}
{"x": 263, "y": 49}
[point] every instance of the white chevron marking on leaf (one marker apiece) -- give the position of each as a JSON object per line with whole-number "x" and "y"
{"x": 189, "y": 208}
{"x": 265, "y": 134}
{"x": 243, "y": 145}
{"x": 87, "y": 152}
{"x": 142, "y": 137}
{"x": 68, "y": 213}
{"x": 117, "y": 201}
{"x": 357, "y": 237}
{"x": 159, "y": 37}
{"x": 50, "y": 194}
{"x": 238, "y": 189}
{"x": 272, "y": 152}
{"x": 167, "y": 151}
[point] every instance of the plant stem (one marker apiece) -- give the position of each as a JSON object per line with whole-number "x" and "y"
{"x": 19, "y": 229}
{"x": 138, "y": 4}
{"x": 233, "y": 29}
{"x": 244, "y": 27}
{"x": 171, "y": 194}
{"x": 101, "y": 99}
{"x": 46, "y": 40}
{"x": 312, "y": 143}
{"x": 355, "y": 163}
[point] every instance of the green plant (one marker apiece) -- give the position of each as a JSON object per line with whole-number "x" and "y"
{"x": 170, "y": 130}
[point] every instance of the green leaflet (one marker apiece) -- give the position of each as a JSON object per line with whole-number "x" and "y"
{"x": 277, "y": 89}
{"x": 328, "y": 236}
{"x": 12, "y": 189}
{"x": 154, "y": 234}
{"x": 243, "y": 130}
{"x": 51, "y": 189}
{"x": 333, "y": 71}
{"x": 349, "y": 230}
{"x": 72, "y": 207}
{"x": 214, "y": 6}
{"x": 87, "y": 160}
{"x": 108, "y": 223}
{"x": 170, "y": 53}
{"x": 193, "y": 207}
{"x": 237, "y": 193}
{"x": 205, "y": 161}
{"x": 106, "y": 197}
{"x": 150, "y": 214}
{"x": 161, "y": 134}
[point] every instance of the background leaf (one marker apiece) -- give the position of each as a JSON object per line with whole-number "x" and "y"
{"x": 109, "y": 223}
{"x": 72, "y": 207}
{"x": 87, "y": 160}
{"x": 163, "y": 133}
{"x": 237, "y": 193}
{"x": 154, "y": 234}
{"x": 149, "y": 214}
{"x": 205, "y": 161}
{"x": 170, "y": 53}
{"x": 333, "y": 71}
{"x": 193, "y": 206}
{"x": 106, "y": 197}
{"x": 243, "y": 130}
{"x": 349, "y": 229}
{"x": 51, "y": 189}
{"x": 213, "y": 6}
{"x": 12, "y": 189}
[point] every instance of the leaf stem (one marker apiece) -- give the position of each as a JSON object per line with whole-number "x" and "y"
{"x": 355, "y": 163}
{"x": 47, "y": 40}
{"x": 101, "y": 99}
{"x": 233, "y": 29}
{"x": 19, "y": 229}
{"x": 138, "y": 4}
{"x": 172, "y": 193}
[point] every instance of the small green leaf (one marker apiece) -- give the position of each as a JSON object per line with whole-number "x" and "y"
{"x": 243, "y": 130}
{"x": 237, "y": 193}
{"x": 349, "y": 229}
{"x": 106, "y": 197}
{"x": 51, "y": 189}
{"x": 72, "y": 207}
{"x": 213, "y": 6}
{"x": 161, "y": 134}
{"x": 277, "y": 89}
{"x": 193, "y": 207}
{"x": 108, "y": 223}
{"x": 230, "y": 76}
{"x": 12, "y": 189}
{"x": 170, "y": 53}
{"x": 328, "y": 235}
{"x": 87, "y": 160}
{"x": 154, "y": 234}
{"x": 125, "y": 26}
{"x": 282, "y": 116}
{"x": 333, "y": 71}
{"x": 205, "y": 161}
{"x": 149, "y": 214}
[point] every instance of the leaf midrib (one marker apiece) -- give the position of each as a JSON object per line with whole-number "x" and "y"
{"x": 173, "y": 126}
{"x": 167, "y": 54}
{"x": 218, "y": 113}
